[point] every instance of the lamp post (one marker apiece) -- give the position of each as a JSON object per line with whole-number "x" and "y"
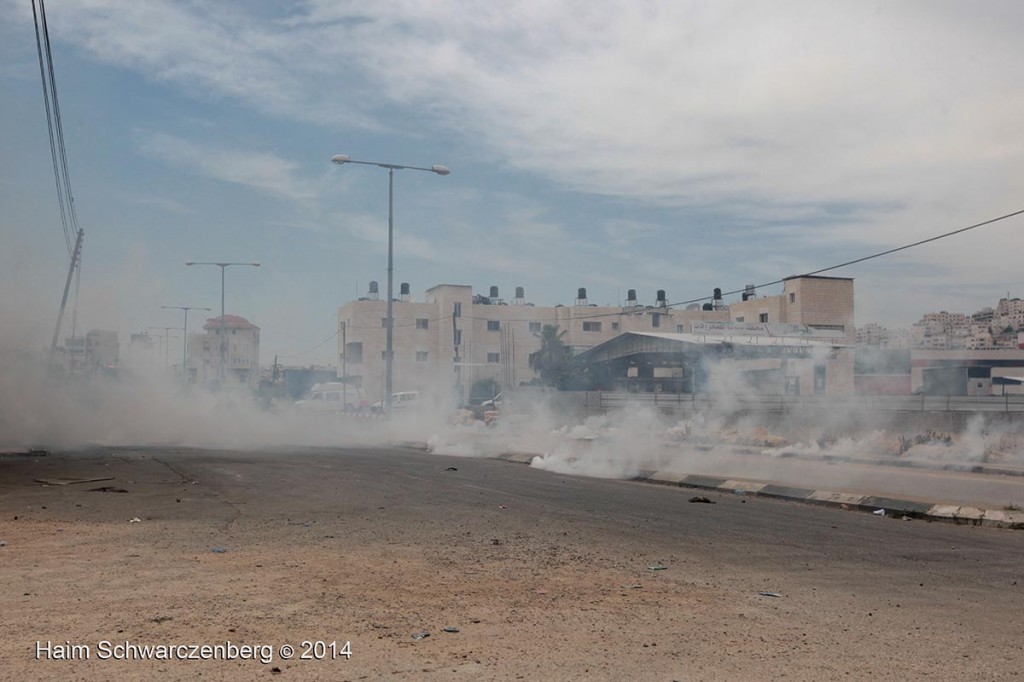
{"x": 167, "y": 337}
{"x": 389, "y": 353}
{"x": 184, "y": 333}
{"x": 223, "y": 343}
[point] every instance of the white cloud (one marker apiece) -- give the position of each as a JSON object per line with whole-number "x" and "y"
{"x": 260, "y": 170}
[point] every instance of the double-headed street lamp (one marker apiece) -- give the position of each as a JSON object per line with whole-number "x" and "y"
{"x": 184, "y": 333}
{"x": 389, "y": 354}
{"x": 223, "y": 341}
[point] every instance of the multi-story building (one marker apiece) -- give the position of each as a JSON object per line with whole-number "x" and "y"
{"x": 97, "y": 349}
{"x": 242, "y": 353}
{"x": 453, "y": 337}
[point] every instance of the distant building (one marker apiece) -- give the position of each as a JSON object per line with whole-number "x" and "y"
{"x": 455, "y": 337}
{"x": 242, "y": 340}
{"x": 98, "y": 349}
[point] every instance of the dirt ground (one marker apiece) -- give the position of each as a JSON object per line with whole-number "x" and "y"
{"x": 532, "y": 601}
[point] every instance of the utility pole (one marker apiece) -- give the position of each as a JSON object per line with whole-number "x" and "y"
{"x": 344, "y": 355}
{"x": 64, "y": 299}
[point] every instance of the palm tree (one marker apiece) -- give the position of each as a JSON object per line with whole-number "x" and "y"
{"x": 551, "y": 361}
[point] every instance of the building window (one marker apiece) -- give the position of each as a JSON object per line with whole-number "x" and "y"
{"x": 494, "y": 357}
{"x": 615, "y": 326}
{"x": 535, "y": 327}
{"x": 422, "y": 323}
{"x": 384, "y": 322}
{"x": 457, "y": 310}
{"x": 792, "y": 297}
{"x": 656, "y": 320}
{"x": 763, "y": 317}
{"x": 739, "y": 319}
{"x": 354, "y": 352}
{"x": 421, "y": 356}
{"x": 493, "y": 325}
{"x": 591, "y": 326}
{"x": 679, "y": 329}
{"x": 458, "y": 337}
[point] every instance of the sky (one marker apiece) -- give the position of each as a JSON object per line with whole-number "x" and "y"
{"x": 609, "y": 145}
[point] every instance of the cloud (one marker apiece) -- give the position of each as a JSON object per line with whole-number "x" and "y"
{"x": 260, "y": 170}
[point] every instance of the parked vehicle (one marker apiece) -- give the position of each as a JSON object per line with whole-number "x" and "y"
{"x": 334, "y": 396}
{"x": 405, "y": 400}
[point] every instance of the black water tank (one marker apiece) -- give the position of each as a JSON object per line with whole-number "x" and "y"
{"x": 631, "y": 295}
{"x": 718, "y": 294}
{"x": 581, "y": 292}
{"x": 661, "y": 295}
{"x": 404, "y": 289}
{"x": 494, "y": 292}
{"x": 520, "y": 293}
{"x": 708, "y": 306}
{"x": 745, "y": 295}
{"x": 373, "y": 287}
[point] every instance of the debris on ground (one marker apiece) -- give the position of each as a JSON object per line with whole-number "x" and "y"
{"x": 501, "y": 506}
{"x": 769, "y": 594}
{"x": 451, "y": 469}
{"x": 879, "y": 512}
{"x": 422, "y": 634}
{"x": 657, "y": 567}
{"x": 739, "y": 491}
{"x": 632, "y": 587}
{"x": 275, "y": 670}
{"x": 69, "y": 481}
{"x": 162, "y": 619}
{"x": 135, "y": 520}
{"x": 107, "y": 489}
{"x": 3, "y": 543}
{"x": 495, "y": 541}
{"x": 450, "y": 629}
{"x": 701, "y": 499}
{"x": 219, "y": 550}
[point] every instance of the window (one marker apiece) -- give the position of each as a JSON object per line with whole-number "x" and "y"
{"x": 792, "y": 297}
{"x": 739, "y": 319}
{"x": 494, "y": 357}
{"x": 457, "y": 310}
{"x": 679, "y": 329}
{"x": 763, "y": 317}
{"x": 493, "y": 325}
{"x": 615, "y": 326}
{"x": 354, "y": 352}
{"x": 591, "y": 326}
{"x": 422, "y": 323}
{"x": 458, "y": 337}
{"x": 656, "y": 320}
{"x": 384, "y": 322}
{"x": 535, "y": 327}
{"x": 421, "y": 356}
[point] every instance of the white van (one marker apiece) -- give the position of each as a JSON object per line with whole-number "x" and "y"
{"x": 405, "y": 400}
{"x": 333, "y": 396}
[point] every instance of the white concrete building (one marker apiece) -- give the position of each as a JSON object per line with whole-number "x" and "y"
{"x": 242, "y": 367}
{"x": 454, "y": 337}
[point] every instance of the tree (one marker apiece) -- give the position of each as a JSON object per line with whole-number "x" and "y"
{"x": 553, "y": 359}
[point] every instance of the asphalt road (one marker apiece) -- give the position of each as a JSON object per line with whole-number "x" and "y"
{"x": 870, "y": 597}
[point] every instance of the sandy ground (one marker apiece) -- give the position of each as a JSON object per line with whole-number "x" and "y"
{"x": 533, "y": 601}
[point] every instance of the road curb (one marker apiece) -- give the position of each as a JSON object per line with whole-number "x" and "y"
{"x": 946, "y": 513}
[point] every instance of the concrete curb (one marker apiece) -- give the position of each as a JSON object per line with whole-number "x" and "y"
{"x": 946, "y": 513}
{"x": 892, "y": 506}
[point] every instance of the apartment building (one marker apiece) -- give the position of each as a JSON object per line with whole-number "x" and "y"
{"x": 242, "y": 356}
{"x": 454, "y": 337}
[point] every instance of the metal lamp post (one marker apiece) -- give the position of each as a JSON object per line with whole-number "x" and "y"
{"x": 223, "y": 343}
{"x": 184, "y": 333}
{"x": 167, "y": 340}
{"x": 389, "y": 353}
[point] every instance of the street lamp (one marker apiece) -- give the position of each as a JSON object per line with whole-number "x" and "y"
{"x": 184, "y": 333}
{"x": 389, "y": 354}
{"x": 167, "y": 337}
{"x": 223, "y": 343}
